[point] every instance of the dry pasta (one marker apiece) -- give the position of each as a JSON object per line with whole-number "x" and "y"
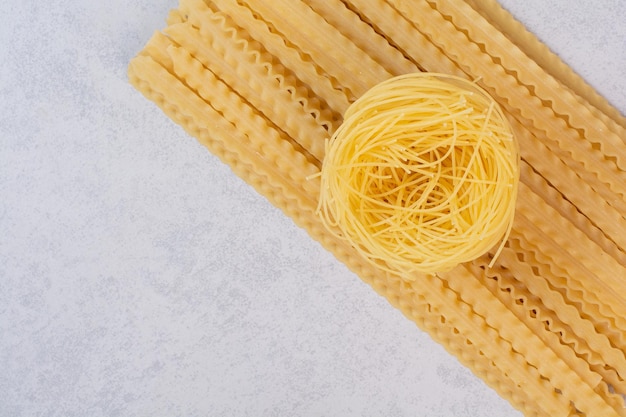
{"x": 422, "y": 175}
{"x": 539, "y": 317}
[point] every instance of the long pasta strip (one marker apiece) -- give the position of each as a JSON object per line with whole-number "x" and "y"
{"x": 597, "y": 210}
{"x": 324, "y": 85}
{"x": 565, "y": 249}
{"x": 548, "y": 327}
{"x": 570, "y": 213}
{"x": 527, "y": 343}
{"x": 413, "y": 43}
{"x": 545, "y": 86}
{"x": 549, "y": 62}
{"x": 530, "y": 74}
{"x": 274, "y": 94}
{"x": 315, "y": 37}
{"x": 470, "y": 355}
{"x": 363, "y": 35}
{"x": 579, "y": 159}
{"x": 236, "y": 46}
{"x": 576, "y": 283}
{"x": 567, "y": 313}
{"x": 514, "y": 97}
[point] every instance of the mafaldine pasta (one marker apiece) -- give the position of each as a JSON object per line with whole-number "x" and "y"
{"x": 441, "y": 152}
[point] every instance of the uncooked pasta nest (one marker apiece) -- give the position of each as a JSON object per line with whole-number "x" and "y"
{"x": 422, "y": 175}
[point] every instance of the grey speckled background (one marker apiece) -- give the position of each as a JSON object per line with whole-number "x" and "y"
{"x": 139, "y": 276}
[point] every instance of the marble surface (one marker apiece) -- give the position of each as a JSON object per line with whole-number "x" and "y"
{"x": 139, "y": 276}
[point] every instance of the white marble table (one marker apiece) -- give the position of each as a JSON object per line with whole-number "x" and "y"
{"x": 140, "y": 277}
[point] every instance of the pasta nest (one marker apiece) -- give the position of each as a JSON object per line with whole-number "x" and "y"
{"x": 422, "y": 174}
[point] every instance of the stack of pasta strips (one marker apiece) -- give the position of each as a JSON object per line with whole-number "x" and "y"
{"x": 263, "y": 84}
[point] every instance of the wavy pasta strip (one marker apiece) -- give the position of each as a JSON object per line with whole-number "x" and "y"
{"x": 364, "y": 36}
{"x": 316, "y": 38}
{"x": 543, "y": 322}
{"x": 549, "y": 61}
{"x": 275, "y": 94}
{"x": 515, "y": 98}
{"x": 281, "y": 159}
{"x": 567, "y": 313}
{"x": 324, "y": 85}
{"x": 606, "y": 343}
{"x": 530, "y": 74}
{"x": 527, "y": 343}
{"x": 568, "y": 214}
{"x": 421, "y": 312}
{"x": 581, "y": 194}
{"x": 406, "y": 38}
{"x": 576, "y": 284}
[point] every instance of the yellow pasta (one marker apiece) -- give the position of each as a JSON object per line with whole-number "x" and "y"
{"x": 421, "y": 172}
{"x": 422, "y": 175}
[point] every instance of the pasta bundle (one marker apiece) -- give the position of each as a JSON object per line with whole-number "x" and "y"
{"x": 422, "y": 175}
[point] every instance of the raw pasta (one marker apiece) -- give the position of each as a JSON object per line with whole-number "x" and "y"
{"x": 422, "y": 175}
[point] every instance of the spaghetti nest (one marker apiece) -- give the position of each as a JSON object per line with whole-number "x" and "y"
{"x": 422, "y": 174}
